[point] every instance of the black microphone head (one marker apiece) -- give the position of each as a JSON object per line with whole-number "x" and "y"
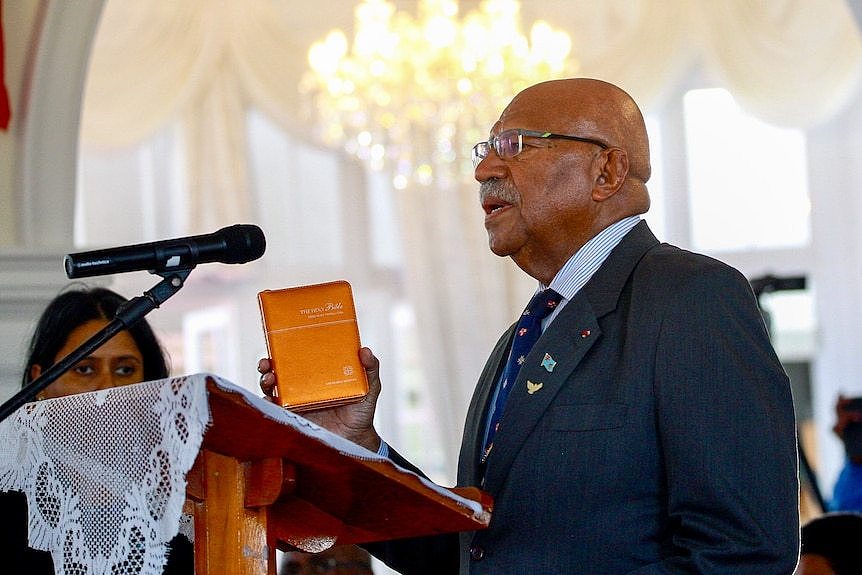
{"x": 235, "y": 244}
{"x": 69, "y": 266}
{"x": 245, "y": 242}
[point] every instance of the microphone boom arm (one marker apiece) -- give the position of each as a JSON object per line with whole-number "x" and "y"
{"x": 127, "y": 315}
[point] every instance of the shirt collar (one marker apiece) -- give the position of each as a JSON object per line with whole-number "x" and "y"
{"x": 578, "y": 270}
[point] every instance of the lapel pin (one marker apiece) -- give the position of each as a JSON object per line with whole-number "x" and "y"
{"x": 548, "y": 363}
{"x": 585, "y": 333}
{"x": 533, "y": 387}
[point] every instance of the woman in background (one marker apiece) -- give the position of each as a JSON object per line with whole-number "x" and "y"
{"x": 73, "y": 317}
{"x": 131, "y": 356}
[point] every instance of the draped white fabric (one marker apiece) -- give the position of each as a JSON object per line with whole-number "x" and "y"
{"x": 104, "y": 473}
{"x": 204, "y": 62}
{"x": 789, "y": 62}
{"x": 793, "y": 62}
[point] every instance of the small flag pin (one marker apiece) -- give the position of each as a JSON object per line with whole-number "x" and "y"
{"x": 548, "y": 363}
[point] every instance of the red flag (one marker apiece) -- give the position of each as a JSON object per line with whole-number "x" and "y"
{"x": 5, "y": 110}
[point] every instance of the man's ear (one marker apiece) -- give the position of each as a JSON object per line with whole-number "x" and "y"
{"x": 614, "y": 169}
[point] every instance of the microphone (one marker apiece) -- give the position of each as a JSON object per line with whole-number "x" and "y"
{"x": 236, "y": 244}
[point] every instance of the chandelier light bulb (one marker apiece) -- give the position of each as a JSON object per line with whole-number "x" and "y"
{"x": 405, "y": 83}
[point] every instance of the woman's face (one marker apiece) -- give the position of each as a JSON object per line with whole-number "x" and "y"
{"x": 118, "y": 362}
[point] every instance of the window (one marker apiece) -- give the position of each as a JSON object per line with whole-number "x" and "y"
{"x": 748, "y": 180}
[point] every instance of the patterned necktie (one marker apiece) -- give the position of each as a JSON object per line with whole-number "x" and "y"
{"x": 527, "y": 333}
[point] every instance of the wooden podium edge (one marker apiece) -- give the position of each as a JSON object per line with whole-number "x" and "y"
{"x": 315, "y": 494}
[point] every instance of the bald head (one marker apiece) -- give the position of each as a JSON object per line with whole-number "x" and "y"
{"x": 594, "y": 109}
{"x": 546, "y": 194}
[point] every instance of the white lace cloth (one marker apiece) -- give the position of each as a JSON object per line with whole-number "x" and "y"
{"x": 104, "y": 472}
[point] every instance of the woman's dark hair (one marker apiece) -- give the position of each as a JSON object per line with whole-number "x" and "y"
{"x": 76, "y": 307}
{"x": 836, "y": 537}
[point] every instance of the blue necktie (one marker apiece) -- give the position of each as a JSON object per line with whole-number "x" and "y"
{"x": 527, "y": 333}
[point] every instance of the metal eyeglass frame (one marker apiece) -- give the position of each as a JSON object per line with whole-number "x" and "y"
{"x": 482, "y": 149}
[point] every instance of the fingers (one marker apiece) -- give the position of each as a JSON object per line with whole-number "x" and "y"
{"x": 264, "y": 365}
{"x": 267, "y": 383}
{"x": 267, "y": 378}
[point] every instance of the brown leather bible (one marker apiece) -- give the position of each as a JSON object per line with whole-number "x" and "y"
{"x": 312, "y": 338}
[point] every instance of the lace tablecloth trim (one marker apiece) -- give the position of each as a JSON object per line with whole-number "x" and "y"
{"x": 104, "y": 472}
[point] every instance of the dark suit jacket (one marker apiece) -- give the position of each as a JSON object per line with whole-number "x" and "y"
{"x": 662, "y": 442}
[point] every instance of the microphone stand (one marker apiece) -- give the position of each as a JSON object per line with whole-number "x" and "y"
{"x": 127, "y": 315}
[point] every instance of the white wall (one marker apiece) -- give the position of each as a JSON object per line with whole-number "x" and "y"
{"x": 47, "y": 50}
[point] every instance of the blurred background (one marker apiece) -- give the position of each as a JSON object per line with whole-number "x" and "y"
{"x": 343, "y": 129}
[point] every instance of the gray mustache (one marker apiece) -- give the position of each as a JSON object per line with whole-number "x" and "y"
{"x": 498, "y": 189}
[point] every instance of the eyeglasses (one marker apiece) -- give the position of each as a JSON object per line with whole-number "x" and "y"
{"x": 510, "y": 143}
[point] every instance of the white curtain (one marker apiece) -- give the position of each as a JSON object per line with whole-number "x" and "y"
{"x": 791, "y": 62}
{"x": 202, "y": 63}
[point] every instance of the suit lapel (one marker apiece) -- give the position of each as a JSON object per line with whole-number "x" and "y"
{"x": 524, "y": 409}
{"x": 474, "y": 430}
{"x": 572, "y": 333}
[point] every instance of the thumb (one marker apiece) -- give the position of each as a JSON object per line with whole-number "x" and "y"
{"x": 372, "y": 370}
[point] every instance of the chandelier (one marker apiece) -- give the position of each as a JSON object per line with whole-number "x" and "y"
{"x": 413, "y": 95}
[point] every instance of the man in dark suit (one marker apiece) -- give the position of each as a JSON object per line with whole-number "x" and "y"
{"x": 650, "y": 429}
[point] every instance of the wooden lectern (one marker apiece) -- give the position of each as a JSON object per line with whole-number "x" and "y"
{"x": 259, "y": 484}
